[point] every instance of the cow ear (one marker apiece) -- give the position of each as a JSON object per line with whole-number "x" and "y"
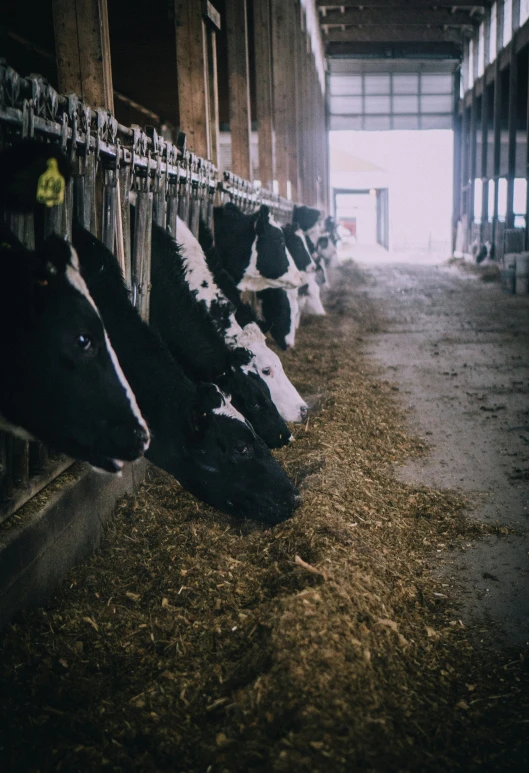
{"x": 262, "y": 219}
{"x": 240, "y": 356}
{"x": 208, "y": 397}
{"x": 53, "y": 258}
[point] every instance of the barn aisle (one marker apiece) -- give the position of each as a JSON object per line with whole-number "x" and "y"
{"x": 458, "y": 348}
{"x": 191, "y": 642}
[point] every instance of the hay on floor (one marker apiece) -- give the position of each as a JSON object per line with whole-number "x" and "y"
{"x": 193, "y": 642}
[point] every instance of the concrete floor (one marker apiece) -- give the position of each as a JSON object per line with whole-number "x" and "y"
{"x": 458, "y": 350}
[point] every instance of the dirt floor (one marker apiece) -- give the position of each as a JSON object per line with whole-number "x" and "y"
{"x": 458, "y": 349}
{"x": 381, "y": 629}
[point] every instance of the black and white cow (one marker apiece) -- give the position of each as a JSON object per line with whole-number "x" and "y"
{"x": 61, "y": 382}
{"x": 240, "y": 328}
{"x": 182, "y": 295}
{"x": 280, "y": 311}
{"x": 197, "y": 435}
{"x": 309, "y": 300}
{"x": 252, "y": 249}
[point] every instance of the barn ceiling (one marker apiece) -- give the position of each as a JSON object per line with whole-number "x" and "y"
{"x": 380, "y": 27}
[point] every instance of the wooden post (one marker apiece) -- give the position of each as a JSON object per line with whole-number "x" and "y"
{"x": 213, "y": 95}
{"x": 239, "y": 87}
{"x": 263, "y": 84}
{"x": 280, "y": 44}
{"x": 292, "y": 21}
{"x": 192, "y": 74}
{"x": 83, "y": 50}
{"x": 512, "y": 120}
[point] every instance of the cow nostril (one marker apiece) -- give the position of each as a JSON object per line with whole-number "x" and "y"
{"x": 303, "y": 412}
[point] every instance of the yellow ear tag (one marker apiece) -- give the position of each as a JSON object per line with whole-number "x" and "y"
{"x": 50, "y": 187}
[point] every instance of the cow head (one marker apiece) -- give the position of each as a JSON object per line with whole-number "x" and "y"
{"x": 252, "y": 249}
{"x": 62, "y": 383}
{"x": 326, "y": 249}
{"x": 306, "y": 217}
{"x": 228, "y": 466}
{"x": 280, "y": 309}
{"x": 268, "y": 366}
{"x": 297, "y": 246}
{"x": 251, "y": 396}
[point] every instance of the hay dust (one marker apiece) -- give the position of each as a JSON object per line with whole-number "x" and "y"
{"x": 195, "y": 643}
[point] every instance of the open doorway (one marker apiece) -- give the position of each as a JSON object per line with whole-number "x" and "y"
{"x": 364, "y": 213}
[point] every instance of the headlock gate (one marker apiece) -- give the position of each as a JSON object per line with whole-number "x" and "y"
{"x": 110, "y": 162}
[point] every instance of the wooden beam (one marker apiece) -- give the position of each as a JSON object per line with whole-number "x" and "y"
{"x": 292, "y": 86}
{"x": 263, "y": 87}
{"x": 399, "y": 17}
{"x": 280, "y": 44}
{"x": 389, "y": 34}
{"x": 239, "y": 87}
{"x": 192, "y": 75}
{"x": 213, "y": 85}
{"x": 83, "y": 50}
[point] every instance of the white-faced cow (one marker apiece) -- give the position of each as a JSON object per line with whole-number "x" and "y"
{"x": 61, "y": 382}
{"x": 252, "y": 249}
{"x": 183, "y": 292}
{"x": 197, "y": 435}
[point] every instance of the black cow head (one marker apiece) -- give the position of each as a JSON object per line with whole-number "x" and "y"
{"x": 251, "y": 397}
{"x": 61, "y": 382}
{"x": 228, "y": 466}
{"x": 306, "y": 217}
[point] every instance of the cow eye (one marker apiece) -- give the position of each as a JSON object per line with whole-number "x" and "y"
{"x": 267, "y": 371}
{"x": 242, "y": 449}
{"x": 84, "y": 342}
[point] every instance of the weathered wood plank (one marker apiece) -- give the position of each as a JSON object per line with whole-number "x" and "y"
{"x": 239, "y": 87}
{"x": 83, "y": 50}
{"x": 263, "y": 84}
{"x": 191, "y": 66}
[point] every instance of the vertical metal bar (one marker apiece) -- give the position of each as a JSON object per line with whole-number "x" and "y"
{"x": 457, "y": 180}
{"x": 512, "y": 119}
{"x": 124, "y": 207}
{"x": 141, "y": 252}
{"x": 108, "y": 220}
{"x": 159, "y": 214}
{"x": 172, "y": 207}
{"x": 473, "y": 152}
{"x": 484, "y": 156}
{"x": 497, "y": 143}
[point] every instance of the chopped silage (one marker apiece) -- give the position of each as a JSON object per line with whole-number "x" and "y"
{"x": 192, "y": 642}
